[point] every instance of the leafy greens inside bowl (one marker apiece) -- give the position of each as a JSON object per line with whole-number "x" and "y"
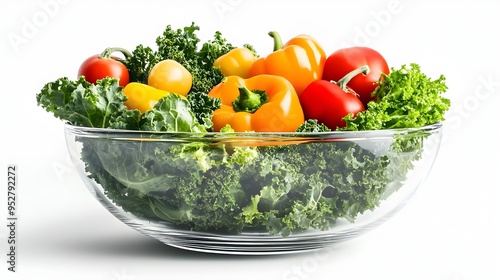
{"x": 234, "y": 184}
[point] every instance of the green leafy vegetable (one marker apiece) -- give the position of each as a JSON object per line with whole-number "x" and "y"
{"x": 203, "y": 107}
{"x": 224, "y": 188}
{"x": 171, "y": 113}
{"x": 406, "y": 98}
{"x": 312, "y": 125}
{"x": 85, "y": 104}
{"x": 141, "y": 62}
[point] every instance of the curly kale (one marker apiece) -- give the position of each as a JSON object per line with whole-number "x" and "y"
{"x": 312, "y": 125}
{"x": 171, "y": 113}
{"x": 85, "y": 104}
{"x": 224, "y": 188}
{"x": 180, "y": 45}
{"x": 141, "y": 62}
{"x": 203, "y": 107}
{"x": 406, "y": 98}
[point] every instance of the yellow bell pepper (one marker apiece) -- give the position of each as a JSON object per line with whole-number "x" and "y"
{"x": 236, "y": 62}
{"x": 142, "y": 97}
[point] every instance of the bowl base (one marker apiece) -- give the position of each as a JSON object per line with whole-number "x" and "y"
{"x": 250, "y": 243}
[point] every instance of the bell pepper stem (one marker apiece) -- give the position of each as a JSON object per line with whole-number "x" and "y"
{"x": 108, "y": 51}
{"x": 249, "y": 101}
{"x": 342, "y": 83}
{"x": 278, "y": 43}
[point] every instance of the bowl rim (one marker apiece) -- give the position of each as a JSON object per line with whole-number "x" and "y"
{"x": 93, "y": 132}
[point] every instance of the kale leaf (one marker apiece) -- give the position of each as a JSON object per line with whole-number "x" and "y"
{"x": 170, "y": 113}
{"x": 203, "y": 107}
{"x": 85, "y": 104}
{"x": 312, "y": 125}
{"x": 141, "y": 62}
{"x": 406, "y": 98}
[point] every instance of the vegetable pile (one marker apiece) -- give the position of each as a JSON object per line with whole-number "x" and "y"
{"x": 184, "y": 85}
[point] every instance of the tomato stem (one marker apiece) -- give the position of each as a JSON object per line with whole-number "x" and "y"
{"x": 342, "y": 83}
{"x": 278, "y": 43}
{"x": 108, "y": 51}
{"x": 249, "y": 101}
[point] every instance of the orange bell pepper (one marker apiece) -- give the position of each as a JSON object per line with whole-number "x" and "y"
{"x": 301, "y": 61}
{"x": 263, "y": 103}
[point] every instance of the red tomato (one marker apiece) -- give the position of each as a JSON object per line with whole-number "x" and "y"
{"x": 343, "y": 61}
{"x": 101, "y": 66}
{"x": 328, "y": 103}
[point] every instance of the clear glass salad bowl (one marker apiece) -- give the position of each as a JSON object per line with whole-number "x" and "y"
{"x": 253, "y": 193}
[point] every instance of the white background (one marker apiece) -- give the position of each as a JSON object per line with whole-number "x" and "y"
{"x": 449, "y": 231}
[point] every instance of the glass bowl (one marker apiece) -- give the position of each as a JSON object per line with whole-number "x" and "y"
{"x": 253, "y": 193}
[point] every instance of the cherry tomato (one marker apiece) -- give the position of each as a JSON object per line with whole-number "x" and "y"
{"x": 104, "y": 65}
{"x": 169, "y": 75}
{"x": 342, "y": 61}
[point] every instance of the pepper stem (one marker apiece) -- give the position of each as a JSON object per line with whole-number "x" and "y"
{"x": 342, "y": 83}
{"x": 108, "y": 51}
{"x": 278, "y": 43}
{"x": 249, "y": 101}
